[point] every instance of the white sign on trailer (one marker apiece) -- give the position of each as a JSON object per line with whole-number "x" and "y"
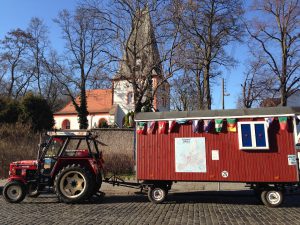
{"x": 190, "y": 155}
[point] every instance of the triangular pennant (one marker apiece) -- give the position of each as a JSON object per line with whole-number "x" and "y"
{"x": 150, "y": 127}
{"x": 172, "y": 124}
{"x": 283, "y": 122}
{"x": 181, "y": 121}
{"x": 196, "y": 126}
{"x": 162, "y": 125}
{"x": 231, "y": 125}
{"x": 140, "y": 127}
{"x": 207, "y": 125}
{"x": 218, "y": 125}
{"x": 269, "y": 121}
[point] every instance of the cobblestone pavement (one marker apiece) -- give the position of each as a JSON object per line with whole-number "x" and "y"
{"x": 206, "y": 207}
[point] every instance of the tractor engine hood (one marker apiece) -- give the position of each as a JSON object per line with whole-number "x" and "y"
{"x": 25, "y": 163}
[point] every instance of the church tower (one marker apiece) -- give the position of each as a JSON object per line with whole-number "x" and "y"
{"x": 141, "y": 57}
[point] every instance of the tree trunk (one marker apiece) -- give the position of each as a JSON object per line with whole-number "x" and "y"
{"x": 199, "y": 90}
{"x": 206, "y": 85}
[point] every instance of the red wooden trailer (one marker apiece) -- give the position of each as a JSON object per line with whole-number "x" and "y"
{"x": 253, "y": 146}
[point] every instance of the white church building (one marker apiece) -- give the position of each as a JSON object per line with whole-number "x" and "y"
{"x": 112, "y": 105}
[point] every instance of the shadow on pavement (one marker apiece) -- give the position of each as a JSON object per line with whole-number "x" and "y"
{"x": 245, "y": 197}
{"x": 218, "y": 197}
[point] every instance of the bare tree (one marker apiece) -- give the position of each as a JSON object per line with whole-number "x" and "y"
{"x": 276, "y": 37}
{"x": 86, "y": 39}
{"x": 15, "y": 48}
{"x": 207, "y": 27}
{"x": 38, "y": 48}
{"x": 141, "y": 49}
{"x": 257, "y": 86}
{"x": 184, "y": 92}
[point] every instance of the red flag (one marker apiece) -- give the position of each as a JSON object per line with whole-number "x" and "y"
{"x": 162, "y": 125}
{"x": 140, "y": 127}
{"x": 172, "y": 124}
{"x": 150, "y": 127}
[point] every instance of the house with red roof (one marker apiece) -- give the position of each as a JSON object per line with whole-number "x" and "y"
{"x": 100, "y": 107}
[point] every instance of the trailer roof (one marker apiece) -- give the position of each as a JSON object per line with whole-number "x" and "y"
{"x": 228, "y": 113}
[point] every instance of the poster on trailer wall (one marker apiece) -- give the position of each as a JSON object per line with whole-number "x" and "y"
{"x": 190, "y": 155}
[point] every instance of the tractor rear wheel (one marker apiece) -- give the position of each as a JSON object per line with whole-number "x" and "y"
{"x": 98, "y": 184}
{"x": 14, "y": 192}
{"x": 74, "y": 184}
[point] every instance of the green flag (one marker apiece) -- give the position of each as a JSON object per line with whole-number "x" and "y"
{"x": 218, "y": 125}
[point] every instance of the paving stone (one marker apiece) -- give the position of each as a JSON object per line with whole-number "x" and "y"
{"x": 211, "y": 207}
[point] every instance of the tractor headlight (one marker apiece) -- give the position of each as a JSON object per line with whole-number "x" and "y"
{"x": 12, "y": 171}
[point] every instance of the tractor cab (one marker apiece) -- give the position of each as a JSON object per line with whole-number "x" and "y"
{"x": 69, "y": 163}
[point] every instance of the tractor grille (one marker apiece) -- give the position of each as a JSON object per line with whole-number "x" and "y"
{"x": 18, "y": 172}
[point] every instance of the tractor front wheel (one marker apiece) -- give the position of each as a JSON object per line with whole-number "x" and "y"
{"x": 74, "y": 184}
{"x": 14, "y": 192}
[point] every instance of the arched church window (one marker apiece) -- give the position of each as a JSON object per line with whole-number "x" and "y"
{"x": 129, "y": 98}
{"x": 66, "y": 124}
{"x": 102, "y": 123}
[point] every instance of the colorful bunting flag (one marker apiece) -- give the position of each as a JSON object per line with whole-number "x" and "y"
{"x": 207, "y": 125}
{"x": 196, "y": 126}
{"x": 172, "y": 124}
{"x": 297, "y": 119}
{"x": 140, "y": 127}
{"x": 283, "y": 122}
{"x": 269, "y": 121}
{"x": 181, "y": 121}
{"x": 231, "y": 125}
{"x": 162, "y": 127}
{"x": 218, "y": 125}
{"x": 150, "y": 127}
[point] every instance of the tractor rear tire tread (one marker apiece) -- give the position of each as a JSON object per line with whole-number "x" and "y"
{"x": 90, "y": 184}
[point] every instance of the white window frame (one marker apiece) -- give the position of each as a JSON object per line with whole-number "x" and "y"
{"x": 253, "y": 138}
{"x": 297, "y": 135}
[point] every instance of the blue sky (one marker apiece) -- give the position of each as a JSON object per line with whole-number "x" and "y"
{"x": 17, "y": 14}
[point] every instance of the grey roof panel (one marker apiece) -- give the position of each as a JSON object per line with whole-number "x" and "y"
{"x": 218, "y": 113}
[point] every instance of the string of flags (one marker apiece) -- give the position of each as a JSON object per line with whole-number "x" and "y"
{"x": 205, "y": 125}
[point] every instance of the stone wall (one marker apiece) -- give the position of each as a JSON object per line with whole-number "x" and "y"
{"x": 117, "y": 146}
{"x": 115, "y": 140}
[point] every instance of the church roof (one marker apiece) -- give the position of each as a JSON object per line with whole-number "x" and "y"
{"x": 98, "y": 101}
{"x": 142, "y": 39}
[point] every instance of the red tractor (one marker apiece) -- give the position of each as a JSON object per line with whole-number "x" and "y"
{"x": 69, "y": 164}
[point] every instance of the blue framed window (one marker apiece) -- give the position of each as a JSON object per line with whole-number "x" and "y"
{"x": 253, "y": 135}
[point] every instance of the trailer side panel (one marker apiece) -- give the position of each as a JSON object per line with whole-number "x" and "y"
{"x": 156, "y": 156}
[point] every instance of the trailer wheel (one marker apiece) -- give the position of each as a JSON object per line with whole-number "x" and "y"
{"x": 14, "y": 192}
{"x": 74, "y": 184}
{"x": 157, "y": 194}
{"x": 272, "y": 198}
